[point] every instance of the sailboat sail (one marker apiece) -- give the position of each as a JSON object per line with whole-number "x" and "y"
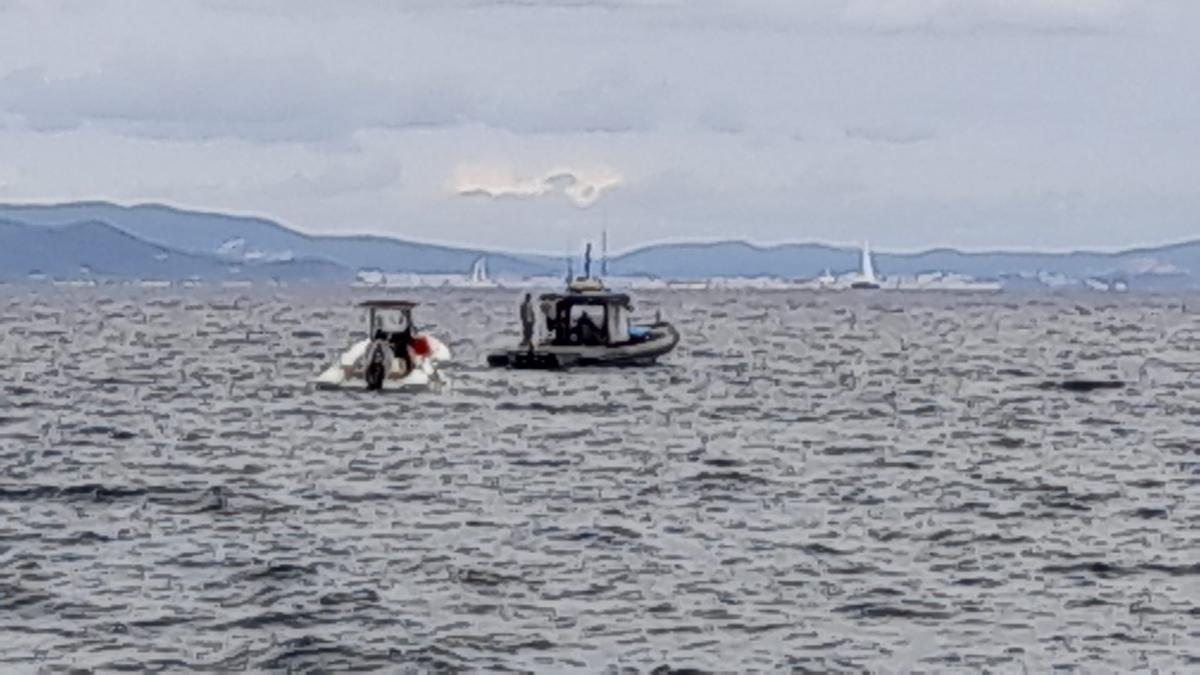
{"x": 868, "y": 270}
{"x": 479, "y": 271}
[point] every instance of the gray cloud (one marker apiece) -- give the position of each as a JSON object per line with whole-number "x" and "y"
{"x": 220, "y": 95}
{"x": 285, "y": 98}
{"x": 975, "y": 15}
{"x": 983, "y": 122}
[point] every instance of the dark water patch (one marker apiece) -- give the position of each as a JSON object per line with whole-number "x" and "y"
{"x": 982, "y": 582}
{"x": 723, "y": 463}
{"x": 1064, "y": 504}
{"x": 359, "y": 597}
{"x": 277, "y": 572}
{"x": 600, "y": 535}
{"x": 674, "y": 630}
{"x": 84, "y": 538}
{"x": 922, "y": 410}
{"x": 1083, "y": 385}
{"x": 86, "y": 491}
{"x": 1014, "y": 372}
{"x": 476, "y": 577}
{"x": 727, "y": 477}
{"x": 869, "y": 610}
{"x": 606, "y": 408}
{"x": 168, "y": 621}
{"x": 1174, "y": 570}
{"x": 848, "y": 450}
{"x": 111, "y": 432}
{"x": 15, "y": 597}
{"x": 819, "y": 549}
{"x": 672, "y": 670}
{"x": 885, "y": 464}
{"x": 1147, "y": 513}
{"x": 1097, "y": 569}
{"x": 543, "y": 463}
{"x": 1116, "y": 637}
{"x": 272, "y": 620}
{"x": 311, "y": 654}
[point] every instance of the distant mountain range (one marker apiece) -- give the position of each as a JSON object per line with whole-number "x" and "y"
{"x": 104, "y": 240}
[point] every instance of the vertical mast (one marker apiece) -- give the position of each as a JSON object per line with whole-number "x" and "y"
{"x": 567, "y": 258}
{"x": 604, "y": 252}
{"x": 587, "y": 261}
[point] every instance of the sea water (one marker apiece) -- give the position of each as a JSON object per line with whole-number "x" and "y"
{"x": 811, "y": 481}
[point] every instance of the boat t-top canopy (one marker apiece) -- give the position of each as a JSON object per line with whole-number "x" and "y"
{"x": 374, "y": 307}
{"x": 387, "y": 304}
{"x": 619, "y": 299}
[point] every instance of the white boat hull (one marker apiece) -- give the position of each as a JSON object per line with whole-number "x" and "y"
{"x": 348, "y": 371}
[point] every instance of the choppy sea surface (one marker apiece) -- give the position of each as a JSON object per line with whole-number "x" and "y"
{"x": 811, "y": 482}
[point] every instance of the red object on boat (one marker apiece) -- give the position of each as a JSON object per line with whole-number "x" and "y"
{"x": 420, "y": 346}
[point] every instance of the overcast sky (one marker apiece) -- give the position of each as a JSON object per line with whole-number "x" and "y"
{"x": 528, "y": 124}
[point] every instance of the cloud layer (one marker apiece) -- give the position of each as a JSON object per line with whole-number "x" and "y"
{"x": 906, "y": 122}
{"x": 1037, "y": 15}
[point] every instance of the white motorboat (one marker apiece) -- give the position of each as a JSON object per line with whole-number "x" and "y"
{"x": 388, "y": 359}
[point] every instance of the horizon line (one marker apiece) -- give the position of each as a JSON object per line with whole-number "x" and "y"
{"x": 666, "y": 241}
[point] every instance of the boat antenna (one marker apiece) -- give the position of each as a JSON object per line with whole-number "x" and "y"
{"x": 567, "y": 258}
{"x": 604, "y": 252}
{"x": 587, "y": 261}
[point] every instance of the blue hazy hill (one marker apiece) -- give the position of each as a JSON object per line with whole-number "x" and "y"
{"x": 242, "y": 236}
{"x": 99, "y": 250}
{"x": 213, "y": 244}
{"x": 1170, "y": 265}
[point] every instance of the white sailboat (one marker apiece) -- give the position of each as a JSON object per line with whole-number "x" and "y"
{"x": 866, "y": 277}
{"x": 479, "y": 275}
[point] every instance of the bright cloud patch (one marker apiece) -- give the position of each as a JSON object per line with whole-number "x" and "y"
{"x": 583, "y": 186}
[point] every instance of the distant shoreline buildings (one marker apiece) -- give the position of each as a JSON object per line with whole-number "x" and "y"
{"x": 97, "y": 243}
{"x": 864, "y": 278}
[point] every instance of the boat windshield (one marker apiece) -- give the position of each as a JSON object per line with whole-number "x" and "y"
{"x": 588, "y": 324}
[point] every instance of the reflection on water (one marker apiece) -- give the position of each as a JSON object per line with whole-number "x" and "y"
{"x": 811, "y": 481}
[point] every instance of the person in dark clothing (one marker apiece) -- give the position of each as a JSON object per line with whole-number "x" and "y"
{"x": 528, "y": 319}
{"x": 589, "y": 332}
{"x": 401, "y": 339}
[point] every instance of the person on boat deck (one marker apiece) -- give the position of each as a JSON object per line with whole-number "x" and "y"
{"x": 528, "y": 319}
{"x": 401, "y": 339}
{"x": 589, "y": 332}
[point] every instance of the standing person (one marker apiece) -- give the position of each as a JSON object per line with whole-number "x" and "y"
{"x": 528, "y": 318}
{"x": 401, "y": 339}
{"x": 589, "y": 332}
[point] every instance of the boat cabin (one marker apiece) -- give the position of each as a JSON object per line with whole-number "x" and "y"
{"x": 587, "y": 318}
{"x": 399, "y": 336}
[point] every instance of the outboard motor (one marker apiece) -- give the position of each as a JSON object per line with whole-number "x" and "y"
{"x": 377, "y": 366}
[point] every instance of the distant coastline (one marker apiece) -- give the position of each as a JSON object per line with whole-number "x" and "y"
{"x": 93, "y": 242}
